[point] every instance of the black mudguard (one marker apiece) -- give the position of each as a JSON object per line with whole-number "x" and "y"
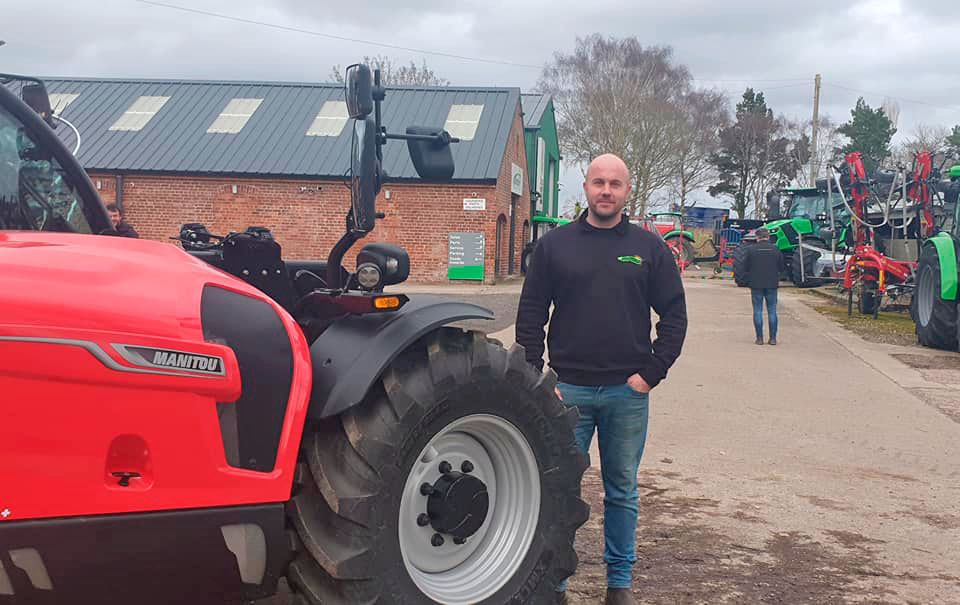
{"x": 352, "y": 353}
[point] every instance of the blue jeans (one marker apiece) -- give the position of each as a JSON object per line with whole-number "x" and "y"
{"x": 758, "y": 295}
{"x": 619, "y": 416}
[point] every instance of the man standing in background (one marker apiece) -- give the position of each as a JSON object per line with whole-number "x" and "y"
{"x": 763, "y": 265}
{"x": 122, "y": 227}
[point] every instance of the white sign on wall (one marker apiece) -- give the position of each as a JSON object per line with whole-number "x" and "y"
{"x": 516, "y": 180}
{"x": 474, "y": 203}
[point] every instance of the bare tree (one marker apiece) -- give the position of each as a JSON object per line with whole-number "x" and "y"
{"x": 926, "y": 137}
{"x": 828, "y": 140}
{"x": 753, "y": 156}
{"x": 702, "y": 115}
{"x": 395, "y": 74}
{"x": 617, "y": 96}
{"x": 891, "y": 109}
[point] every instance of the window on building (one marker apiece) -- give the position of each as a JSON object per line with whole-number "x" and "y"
{"x": 462, "y": 121}
{"x": 234, "y": 116}
{"x": 330, "y": 121}
{"x": 140, "y": 113}
{"x": 60, "y": 100}
{"x": 541, "y": 158}
{"x": 551, "y": 184}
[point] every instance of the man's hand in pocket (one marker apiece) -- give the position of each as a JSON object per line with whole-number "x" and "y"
{"x": 638, "y": 384}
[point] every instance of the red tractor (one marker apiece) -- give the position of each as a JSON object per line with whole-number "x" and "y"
{"x": 192, "y": 425}
{"x": 670, "y": 227}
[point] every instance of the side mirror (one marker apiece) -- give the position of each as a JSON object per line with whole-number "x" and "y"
{"x": 432, "y": 159}
{"x": 364, "y": 175}
{"x": 35, "y": 96}
{"x": 359, "y": 91}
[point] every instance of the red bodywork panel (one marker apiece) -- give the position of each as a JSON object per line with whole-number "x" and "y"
{"x": 73, "y": 409}
{"x": 919, "y": 192}
{"x": 868, "y": 264}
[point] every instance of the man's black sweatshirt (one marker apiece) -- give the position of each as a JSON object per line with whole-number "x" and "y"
{"x": 602, "y": 283}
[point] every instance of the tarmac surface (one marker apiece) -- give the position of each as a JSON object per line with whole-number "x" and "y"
{"x": 821, "y": 470}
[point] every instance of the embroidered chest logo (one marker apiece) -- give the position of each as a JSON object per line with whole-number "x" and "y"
{"x": 636, "y": 260}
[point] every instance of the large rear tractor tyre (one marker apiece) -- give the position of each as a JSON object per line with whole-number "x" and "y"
{"x": 682, "y": 249}
{"x": 739, "y": 264}
{"x": 456, "y": 481}
{"x": 810, "y": 258}
{"x": 934, "y": 317}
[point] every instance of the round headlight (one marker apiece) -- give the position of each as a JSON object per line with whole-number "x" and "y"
{"x": 368, "y": 276}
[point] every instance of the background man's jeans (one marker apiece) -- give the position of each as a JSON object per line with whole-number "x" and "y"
{"x": 759, "y": 295}
{"x": 619, "y": 415}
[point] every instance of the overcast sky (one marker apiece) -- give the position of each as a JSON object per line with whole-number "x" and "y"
{"x": 881, "y": 48}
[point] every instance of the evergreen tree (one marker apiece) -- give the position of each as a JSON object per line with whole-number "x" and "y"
{"x": 869, "y": 131}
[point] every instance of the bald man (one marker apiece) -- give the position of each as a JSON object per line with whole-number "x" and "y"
{"x": 603, "y": 275}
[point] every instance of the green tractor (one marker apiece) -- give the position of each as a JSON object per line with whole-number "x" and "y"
{"x": 807, "y": 222}
{"x": 541, "y": 224}
{"x": 935, "y": 302}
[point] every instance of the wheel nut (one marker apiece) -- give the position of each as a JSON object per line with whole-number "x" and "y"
{"x": 423, "y": 519}
{"x": 426, "y": 489}
{"x": 459, "y": 541}
{"x": 467, "y": 466}
{"x": 436, "y": 540}
{"x": 445, "y": 467}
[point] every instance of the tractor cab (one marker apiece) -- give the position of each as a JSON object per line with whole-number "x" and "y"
{"x": 42, "y": 187}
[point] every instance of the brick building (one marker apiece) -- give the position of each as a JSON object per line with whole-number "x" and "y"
{"x": 235, "y": 154}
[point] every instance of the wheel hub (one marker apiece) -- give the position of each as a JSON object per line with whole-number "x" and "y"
{"x": 457, "y": 504}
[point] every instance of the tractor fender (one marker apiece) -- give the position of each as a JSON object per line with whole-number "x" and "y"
{"x": 947, "y": 252}
{"x": 676, "y": 233}
{"x": 353, "y": 352}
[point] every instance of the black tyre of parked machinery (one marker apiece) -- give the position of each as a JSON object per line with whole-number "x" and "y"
{"x": 869, "y": 302}
{"x": 526, "y": 256}
{"x": 934, "y": 317}
{"x": 352, "y": 534}
{"x": 739, "y": 263}
{"x": 810, "y": 258}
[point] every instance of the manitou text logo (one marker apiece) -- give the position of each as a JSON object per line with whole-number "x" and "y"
{"x": 182, "y": 361}
{"x": 168, "y": 359}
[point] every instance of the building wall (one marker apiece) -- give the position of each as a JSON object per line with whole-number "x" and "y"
{"x": 548, "y": 132}
{"x": 307, "y": 217}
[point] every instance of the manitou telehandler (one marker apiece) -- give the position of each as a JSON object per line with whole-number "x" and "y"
{"x": 190, "y": 425}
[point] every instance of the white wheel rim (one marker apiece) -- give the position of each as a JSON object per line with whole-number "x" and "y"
{"x": 503, "y": 459}
{"x": 925, "y": 294}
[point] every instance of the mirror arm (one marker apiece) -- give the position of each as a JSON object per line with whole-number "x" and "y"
{"x": 439, "y": 139}
{"x": 334, "y": 269}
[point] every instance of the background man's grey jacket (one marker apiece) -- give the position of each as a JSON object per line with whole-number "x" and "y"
{"x": 763, "y": 264}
